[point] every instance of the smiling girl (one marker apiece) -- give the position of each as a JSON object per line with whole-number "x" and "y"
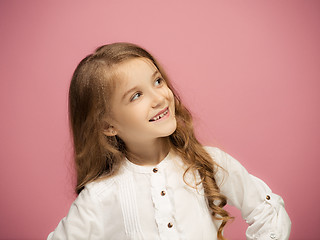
{"x": 141, "y": 172}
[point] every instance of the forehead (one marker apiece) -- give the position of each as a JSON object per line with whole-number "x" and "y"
{"x": 133, "y": 72}
{"x": 135, "y": 68}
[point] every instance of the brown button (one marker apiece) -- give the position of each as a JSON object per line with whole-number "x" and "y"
{"x": 163, "y": 193}
{"x": 268, "y": 197}
{"x": 155, "y": 170}
{"x": 170, "y": 225}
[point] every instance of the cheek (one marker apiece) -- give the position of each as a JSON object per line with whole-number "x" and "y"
{"x": 172, "y": 100}
{"x": 137, "y": 113}
{"x": 121, "y": 117}
{"x": 169, "y": 94}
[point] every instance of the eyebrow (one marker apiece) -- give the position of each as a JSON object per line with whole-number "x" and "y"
{"x": 135, "y": 88}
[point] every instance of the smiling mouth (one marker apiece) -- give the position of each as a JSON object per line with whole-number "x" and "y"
{"x": 160, "y": 115}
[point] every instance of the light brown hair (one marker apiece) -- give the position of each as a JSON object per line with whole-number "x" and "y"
{"x": 96, "y": 154}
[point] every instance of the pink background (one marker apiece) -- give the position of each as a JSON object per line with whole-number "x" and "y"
{"x": 248, "y": 70}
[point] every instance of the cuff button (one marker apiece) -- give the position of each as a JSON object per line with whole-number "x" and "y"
{"x": 273, "y": 236}
{"x": 268, "y": 197}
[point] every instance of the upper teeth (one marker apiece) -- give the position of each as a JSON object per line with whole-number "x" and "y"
{"x": 160, "y": 116}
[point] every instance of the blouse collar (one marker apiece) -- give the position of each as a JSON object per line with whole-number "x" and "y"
{"x": 147, "y": 169}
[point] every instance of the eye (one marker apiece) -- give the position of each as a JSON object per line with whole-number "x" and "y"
{"x": 158, "y": 81}
{"x": 135, "y": 96}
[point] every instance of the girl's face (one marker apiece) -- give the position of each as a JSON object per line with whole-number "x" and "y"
{"x": 142, "y": 106}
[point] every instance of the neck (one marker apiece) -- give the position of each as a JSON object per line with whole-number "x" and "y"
{"x": 150, "y": 153}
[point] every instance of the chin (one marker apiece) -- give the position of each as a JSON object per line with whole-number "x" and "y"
{"x": 171, "y": 129}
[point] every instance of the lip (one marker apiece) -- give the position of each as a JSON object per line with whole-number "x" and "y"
{"x": 162, "y": 111}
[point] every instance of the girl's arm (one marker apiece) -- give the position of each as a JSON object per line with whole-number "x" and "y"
{"x": 263, "y": 210}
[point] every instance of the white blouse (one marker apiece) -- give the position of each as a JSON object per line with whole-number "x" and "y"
{"x": 143, "y": 202}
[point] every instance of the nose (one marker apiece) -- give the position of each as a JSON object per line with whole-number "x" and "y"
{"x": 158, "y": 99}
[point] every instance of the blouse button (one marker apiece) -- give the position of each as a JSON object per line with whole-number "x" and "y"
{"x": 163, "y": 193}
{"x": 170, "y": 225}
{"x": 268, "y": 197}
{"x": 273, "y": 236}
{"x": 155, "y": 170}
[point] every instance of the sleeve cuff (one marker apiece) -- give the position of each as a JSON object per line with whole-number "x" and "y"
{"x": 269, "y": 220}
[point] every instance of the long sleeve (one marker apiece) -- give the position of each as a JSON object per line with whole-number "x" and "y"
{"x": 82, "y": 221}
{"x": 263, "y": 210}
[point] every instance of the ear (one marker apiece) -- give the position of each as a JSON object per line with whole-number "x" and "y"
{"x": 110, "y": 131}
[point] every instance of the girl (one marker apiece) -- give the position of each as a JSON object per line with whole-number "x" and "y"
{"x": 141, "y": 172}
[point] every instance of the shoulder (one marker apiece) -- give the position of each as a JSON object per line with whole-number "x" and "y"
{"x": 219, "y": 156}
{"x": 225, "y": 163}
{"x": 212, "y": 150}
{"x": 101, "y": 186}
{"x": 98, "y": 190}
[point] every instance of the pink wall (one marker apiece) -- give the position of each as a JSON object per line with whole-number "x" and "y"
{"x": 248, "y": 70}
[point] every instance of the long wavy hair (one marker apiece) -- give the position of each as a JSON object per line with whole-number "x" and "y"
{"x": 97, "y": 155}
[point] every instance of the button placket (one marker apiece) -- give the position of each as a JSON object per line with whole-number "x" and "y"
{"x": 162, "y": 204}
